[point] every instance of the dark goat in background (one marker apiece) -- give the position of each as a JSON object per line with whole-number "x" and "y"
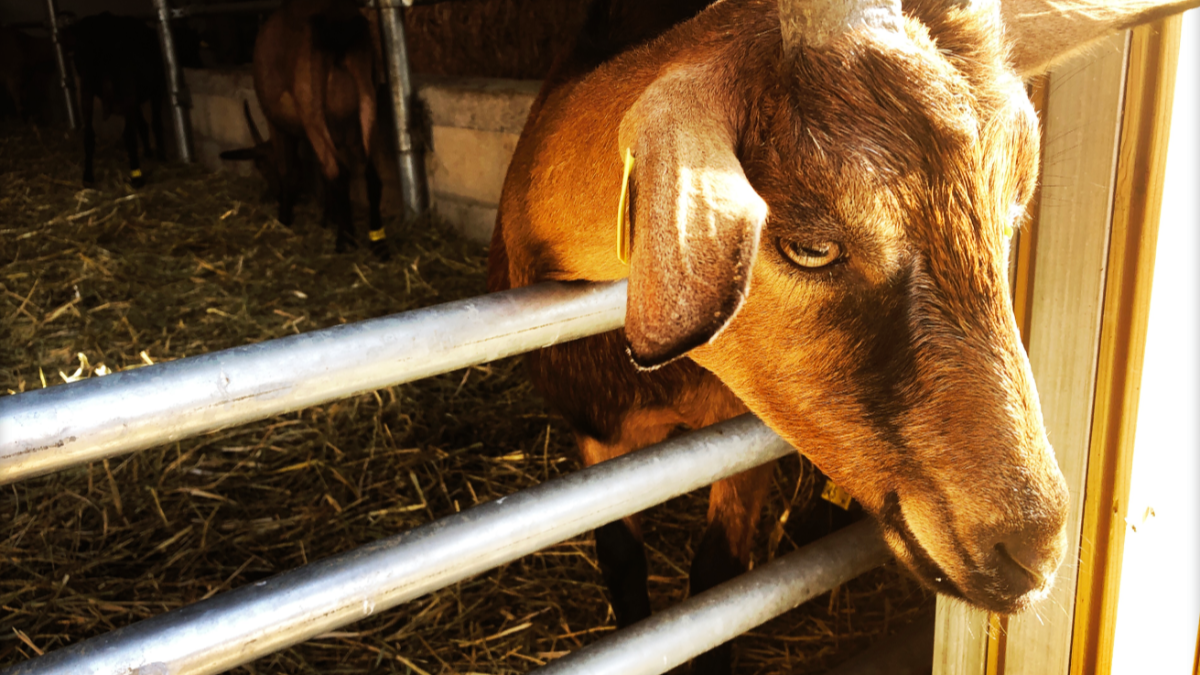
{"x": 26, "y": 64}
{"x": 118, "y": 59}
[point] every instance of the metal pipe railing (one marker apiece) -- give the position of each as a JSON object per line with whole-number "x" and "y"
{"x": 50, "y": 429}
{"x": 408, "y": 154}
{"x": 268, "y": 6}
{"x": 225, "y": 8}
{"x": 237, "y": 627}
{"x": 64, "y": 74}
{"x": 716, "y": 616}
{"x": 180, "y": 99}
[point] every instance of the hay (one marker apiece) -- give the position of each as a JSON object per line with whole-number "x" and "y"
{"x": 110, "y": 279}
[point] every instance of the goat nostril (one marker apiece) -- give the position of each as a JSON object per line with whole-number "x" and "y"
{"x": 1019, "y": 566}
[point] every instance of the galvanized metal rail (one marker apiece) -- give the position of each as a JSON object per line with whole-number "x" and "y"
{"x": 65, "y": 81}
{"x": 181, "y": 100}
{"x": 672, "y": 637}
{"x": 408, "y": 153}
{"x": 271, "y": 5}
{"x": 51, "y": 429}
{"x": 237, "y": 627}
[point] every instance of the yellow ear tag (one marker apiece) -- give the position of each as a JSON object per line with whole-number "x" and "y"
{"x": 623, "y": 228}
{"x": 836, "y": 495}
{"x": 1008, "y": 231}
{"x": 377, "y": 235}
{"x": 136, "y": 173}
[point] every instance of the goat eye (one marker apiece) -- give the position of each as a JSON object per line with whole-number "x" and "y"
{"x": 811, "y": 255}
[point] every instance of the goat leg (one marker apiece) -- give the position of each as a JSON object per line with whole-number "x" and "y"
{"x": 376, "y": 234}
{"x": 337, "y": 208}
{"x": 733, "y": 508}
{"x": 284, "y": 152}
{"x": 131, "y": 147}
{"x": 156, "y": 122}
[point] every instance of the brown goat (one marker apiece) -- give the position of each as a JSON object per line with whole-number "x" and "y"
{"x": 316, "y": 78}
{"x": 819, "y": 195}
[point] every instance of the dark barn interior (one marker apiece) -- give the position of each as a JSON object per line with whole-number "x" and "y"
{"x": 107, "y": 277}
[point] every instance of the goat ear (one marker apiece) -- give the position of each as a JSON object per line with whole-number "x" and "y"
{"x": 1043, "y": 33}
{"x": 240, "y": 154}
{"x": 696, "y": 219}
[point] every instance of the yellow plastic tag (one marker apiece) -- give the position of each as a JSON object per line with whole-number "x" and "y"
{"x": 377, "y": 235}
{"x": 136, "y": 173}
{"x": 836, "y": 495}
{"x": 623, "y": 228}
{"x": 1008, "y": 231}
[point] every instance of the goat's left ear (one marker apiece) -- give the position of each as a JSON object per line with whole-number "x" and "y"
{"x": 1045, "y": 32}
{"x": 696, "y": 219}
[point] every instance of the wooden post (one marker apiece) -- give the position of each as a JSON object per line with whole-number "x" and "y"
{"x": 1060, "y": 300}
{"x": 1141, "y": 168}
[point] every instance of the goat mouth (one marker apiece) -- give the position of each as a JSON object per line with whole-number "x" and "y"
{"x": 983, "y": 588}
{"x": 918, "y": 561}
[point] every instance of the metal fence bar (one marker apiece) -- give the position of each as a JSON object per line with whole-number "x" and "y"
{"x": 180, "y": 100}
{"x": 50, "y": 429}
{"x": 669, "y": 638}
{"x": 408, "y": 154}
{"x": 226, "y": 8}
{"x": 64, "y": 74}
{"x": 268, "y": 6}
{"x": 237, "y": 627}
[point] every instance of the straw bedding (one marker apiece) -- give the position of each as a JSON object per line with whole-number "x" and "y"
{"x": 95, "y": 281}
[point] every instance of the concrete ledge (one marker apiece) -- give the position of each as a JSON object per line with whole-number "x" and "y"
{"x": 481, "y": 104}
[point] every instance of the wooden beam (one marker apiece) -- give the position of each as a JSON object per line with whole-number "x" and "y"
{"x": 1141, "y": 170}
{"x": 960, "y": 639}
{"x": 1081, "y": 124}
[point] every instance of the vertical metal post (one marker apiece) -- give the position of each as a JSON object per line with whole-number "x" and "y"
{"x": 64, "y": 77}
{"x": 180, "y": 101}
{"x": 408, "y": 155}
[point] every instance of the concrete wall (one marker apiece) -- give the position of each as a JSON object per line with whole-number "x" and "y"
{"x": 473, "y": 129}
{"x": 217, "y": 120}
{"x": 470, "y": 126}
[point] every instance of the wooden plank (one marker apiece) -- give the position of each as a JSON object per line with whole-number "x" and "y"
{"x": 1141, "y": 171}
{"x": 1081, "y": 127}
{"x": 960, "y": 639}
{"x": 1196, "y": 662}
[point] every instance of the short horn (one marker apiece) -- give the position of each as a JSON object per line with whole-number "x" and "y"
{"x": 254, "y": 135}
{"x": 816, "y": 23}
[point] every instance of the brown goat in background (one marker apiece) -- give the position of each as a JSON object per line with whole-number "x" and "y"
{"x": 315, "y": 76}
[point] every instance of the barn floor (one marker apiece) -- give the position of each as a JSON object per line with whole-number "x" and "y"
{"x": 108, "y": 279}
